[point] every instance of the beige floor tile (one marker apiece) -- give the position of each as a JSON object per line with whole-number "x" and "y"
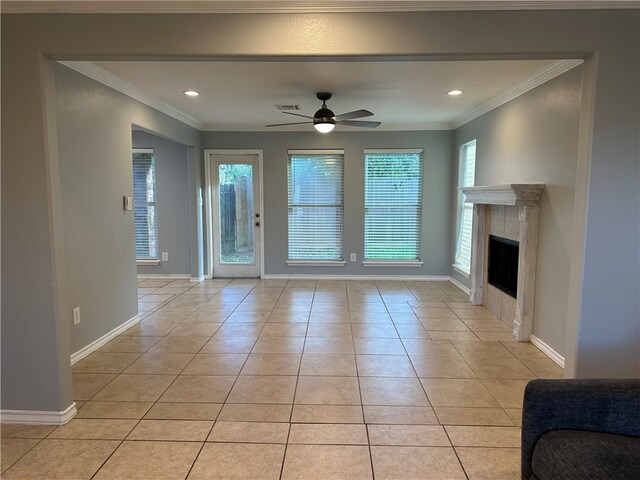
{"x": 215, "y": 364}
{"x": 86, "y": 385}
{"x": 167, "y": 363}
{"x": 249, "y": 432}
{"x": 434, "y": 312}
{"x": 411, "y": 330}
{"x": 317, "y": 390}
{"x": 499, "y": 367}
{"x": 481, "y": 436}
{"x": 488, "y": 349}
{"x": 12, "y": 449}
{"x": 334, "y": 346}
{"x": 135, "y": 388}
{"x": 399, "y": 415}
{"x": 130, "y": 344}
{"x": 433, "y": 348}
{"x": 263, "y": 389}
{"x": 329, "y": 330}
{"x": 239, "y": 329}
{"x": 543, "y": 367}
{"x": 100, "y": 362}
{"x": 411, "y": 463}
{"x": 441, "y": 367}
{"x": 378, "y": 346}
{"x": 524, "y": 349}
{"x": 328, "y": 434}
{"x": 272, "y": 364}
{"x": 449, "y": 335}
{"x": 457, "y": 393}
{"x": 444, "y": 324}
{"x": 328, "y": 364}
{"x": 146, "y": 460}
{"x": 327, "y": 414}
{"x": 408, "y": 435}
{"x": 327, "y": 462}
{"x": 150, "y": 329}
{"x": 490, "y": 463}
{"x": 177, "y": 430}
{"x": 509, "y": 393}
{"x": 184, "y": 411}
{"x": 288, "y": 329}
{"x": 94, "y": 429}
{"x": 279, "y": 345}
{"x": 15, "y": 430}
{"x": 171, "y": 344}
{"x": 472, "y": 416}
{"x": 228, "y": 344}
{"x": 384, "y": 366}
{"x": 505, "y": 334}
{"x": 515, "y": 414}
{"x": 62, "y": 459}
{"x": 392, "y": 391}
{"x": 195, "y": 329}
{"x": 130, "y": 410}
{"x": 232, "y": 412}
{"x": 199, "y": 388}
{"x": 237, "y": 461}
{"x": 374, "y": 330}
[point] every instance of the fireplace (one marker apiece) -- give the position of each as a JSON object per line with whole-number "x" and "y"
{"x": 503, "y": 264}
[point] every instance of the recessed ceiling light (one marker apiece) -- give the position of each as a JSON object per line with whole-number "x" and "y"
{"x": 191, "y": 93}
{"x": 455, "y": 93}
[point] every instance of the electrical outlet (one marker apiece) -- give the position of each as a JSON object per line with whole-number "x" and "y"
{"x": 353, "y": 257}
{"x": 165, "y": 256}
{"x": 516, "y": 329}
{"x": 76, "y": 315}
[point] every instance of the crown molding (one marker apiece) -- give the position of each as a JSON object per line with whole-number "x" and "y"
{"x": 541, "y": 76}
{"x": 298, "y": 6}
{"x": 105, "y": 77}
{"x": 217, "y": 127}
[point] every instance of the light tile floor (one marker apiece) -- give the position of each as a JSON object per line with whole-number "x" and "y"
{"x": 296, "y": 379}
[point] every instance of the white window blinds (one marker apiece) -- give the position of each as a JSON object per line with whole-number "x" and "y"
{"x": 316, "y": 206}
{"x": 393, "y": 204}
{"x": 144, "y": 204}
{"x": 465, "y": 222}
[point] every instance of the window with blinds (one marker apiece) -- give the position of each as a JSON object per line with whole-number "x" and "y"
{"x": 393, "y": 204}
{"x": 467, "y": 175}
{"x": 144, "y": 204}
{"x": 316, "y": 205}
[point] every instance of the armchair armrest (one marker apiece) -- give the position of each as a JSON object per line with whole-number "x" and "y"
{"x": 600, "y": 405}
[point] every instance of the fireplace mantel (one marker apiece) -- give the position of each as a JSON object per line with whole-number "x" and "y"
{"x": 526, "y": 196}
{"x": 512, "y": 194}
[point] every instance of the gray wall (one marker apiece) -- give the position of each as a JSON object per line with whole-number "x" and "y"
{"x": 437, "y": 145}
{"x": 603, "y": 333}
{"x": 94, "y": 149}
{"x": 534, "y": 139}
{"x": 172, "y": 191}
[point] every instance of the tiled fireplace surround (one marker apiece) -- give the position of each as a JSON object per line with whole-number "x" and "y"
{"x": 508, "y": 211}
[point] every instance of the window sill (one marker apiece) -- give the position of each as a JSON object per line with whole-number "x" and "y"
{"x": 153, "y": 261}
{"x": 316, "y": 263}
{"x": 461, "y": 271}
{"x": 392, "y": 263}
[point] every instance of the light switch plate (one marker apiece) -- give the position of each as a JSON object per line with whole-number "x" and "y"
{"x": 127, "y": 203}
{"x": 165, "y": 256}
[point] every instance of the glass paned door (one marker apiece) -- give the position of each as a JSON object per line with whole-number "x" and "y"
{"x": 236, "y": 224}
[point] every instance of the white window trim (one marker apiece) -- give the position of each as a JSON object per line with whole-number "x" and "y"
{"x": 392, "y": 263}
{"x": 151, "y": 260}
{"x": 461, "y": 270}
{"x": 148, "y": 261}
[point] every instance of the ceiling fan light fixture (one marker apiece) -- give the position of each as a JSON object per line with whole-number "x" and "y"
{"x": 191, "y": 93}
{"x": 455, "y": 93}
{"x": 324, "y": 127}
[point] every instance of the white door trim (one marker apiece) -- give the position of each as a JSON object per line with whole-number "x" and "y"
{"x": 208, "y": 153}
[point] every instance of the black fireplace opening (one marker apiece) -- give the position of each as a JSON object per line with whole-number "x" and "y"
{"x": 503, "y": 264}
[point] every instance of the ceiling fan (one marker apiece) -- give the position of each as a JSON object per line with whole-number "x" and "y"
{"x": 324, "y": 120}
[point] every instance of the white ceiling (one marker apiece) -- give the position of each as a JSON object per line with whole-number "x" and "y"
{"x": 402, "y": 94}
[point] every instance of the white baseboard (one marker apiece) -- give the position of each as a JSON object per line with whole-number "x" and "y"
{"x": 547, "y": 350}
{"x": 38, "y": 416}
{"x": 460, "y": 285}
{"x": 96, "y": 344}
{"x": 163, "y": 276}
{"x": 197, "y": 279}
{"x": 306, "y": 276}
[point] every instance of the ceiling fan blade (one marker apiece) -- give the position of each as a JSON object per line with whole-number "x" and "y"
{"x": 284, "y": 124}
{"x": 354, "y": 114}
{"x": 298, "y": 115}
{"x": 358, "y": 123}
